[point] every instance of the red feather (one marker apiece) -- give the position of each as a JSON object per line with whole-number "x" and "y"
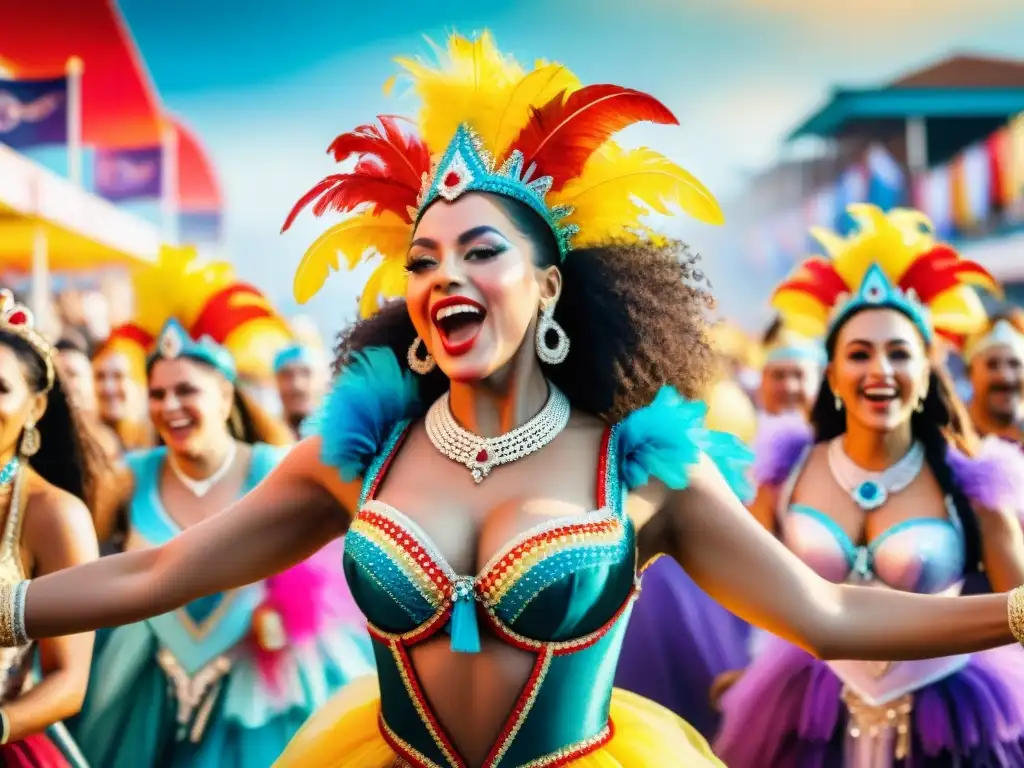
{"x": 387, "y": 175}
{"x": 404, "y": 155}
{"x": 937, "y": 271}
{"x": 562, "y": 135}
{"x": 818, "y": 278}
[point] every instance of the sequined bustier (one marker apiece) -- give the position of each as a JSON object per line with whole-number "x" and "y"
{"x": 15, "y": 663}
{"x": 561, "y": 591}
{"x": 924, "y": 555}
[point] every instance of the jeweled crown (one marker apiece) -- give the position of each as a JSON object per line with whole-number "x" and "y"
{"x": 466, "y": 166}
{"x": 18, "y": 319}
{"x": 878, "y": 292}
{"x": 174, "y": 342}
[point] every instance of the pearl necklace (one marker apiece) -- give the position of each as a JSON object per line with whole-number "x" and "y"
{"x": 868, "y": 489}
{"x": 481, "y": 454}
{"x": 200, "y": 488}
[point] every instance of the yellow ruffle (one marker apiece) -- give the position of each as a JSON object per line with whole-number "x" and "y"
{"x": 344, "y": 734}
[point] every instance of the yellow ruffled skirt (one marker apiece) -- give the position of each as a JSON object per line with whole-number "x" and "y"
{"x": 345, "y": 734}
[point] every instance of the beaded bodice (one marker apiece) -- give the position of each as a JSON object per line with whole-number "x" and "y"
{"x": 924, "y": 555}
{"x": 15, "y": 663}
{"x": 560, "y": 590}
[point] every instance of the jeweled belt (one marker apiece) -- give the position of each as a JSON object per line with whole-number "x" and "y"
{"x": 879, "y": 698}
{"x": 196, "y": 694}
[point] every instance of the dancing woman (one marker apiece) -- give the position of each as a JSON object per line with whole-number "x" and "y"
{"x": 887, "y": 488}
{"x": 226, "y": 680}
{"x": 553, "y": 350}
{"x": 48, "y": 463}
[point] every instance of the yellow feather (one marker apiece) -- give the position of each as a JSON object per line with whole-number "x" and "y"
{"x": 801, "y": 312}
{"x": 617, "y": 188}
{"x": 831, "y": 242}
{"x": 387, "y": 282}
{"x": 386, "y": 234}
{"x": 534, "y": 90}
{"x": 470, "y": 83}
{"x": 959, "y": 310}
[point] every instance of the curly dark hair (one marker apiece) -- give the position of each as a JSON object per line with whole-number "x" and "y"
{"x": 635, "y": 312}
{"x": 942, "y": 421}
{"x": 71, "y": 455}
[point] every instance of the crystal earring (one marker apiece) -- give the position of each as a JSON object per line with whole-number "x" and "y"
{"x": 30, "y": 440}
{"x": 417, "y": 364}
{"x": 546, "y": 324}
{"x": 919, "y": 408}
{"x": 839, "y": 403}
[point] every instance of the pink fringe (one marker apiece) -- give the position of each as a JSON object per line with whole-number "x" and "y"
{"x": 311, "y": 598}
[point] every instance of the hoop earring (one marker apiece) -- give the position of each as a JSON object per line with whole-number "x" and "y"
{"x": 421, "y": 365}
{"x": 30, "y": 440}
{"x": 546, "y": 324}
{"x": 838, "y": 403}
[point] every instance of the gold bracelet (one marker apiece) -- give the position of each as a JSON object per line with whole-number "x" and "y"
{"x": 1015, "y": 613}
{"x": 12, "y": 615}
{"x": 5, "y": 727}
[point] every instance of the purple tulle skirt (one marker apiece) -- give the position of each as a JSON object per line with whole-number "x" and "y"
{"x": 678, "y": 640}
{"x": 786, "y": 712}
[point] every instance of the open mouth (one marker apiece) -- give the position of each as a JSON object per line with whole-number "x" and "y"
{"x": 180, "y": 428}
{"x": 458, "y": 321}
{"x": 880, "y": 396}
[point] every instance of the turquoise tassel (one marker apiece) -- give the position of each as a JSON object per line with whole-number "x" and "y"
{"x": 464, "y": 630}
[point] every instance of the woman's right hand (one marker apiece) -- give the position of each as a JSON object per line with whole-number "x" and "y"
{"x": 293, "y": 513}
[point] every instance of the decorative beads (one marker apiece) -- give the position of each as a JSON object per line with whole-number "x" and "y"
{"x": 1015, "y": 611}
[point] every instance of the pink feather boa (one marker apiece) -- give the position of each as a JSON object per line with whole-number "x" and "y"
{"x": 311, "y": 598}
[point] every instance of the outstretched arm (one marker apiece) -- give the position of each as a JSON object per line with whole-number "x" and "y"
{"x": 742, "y": 566}
{"x": 293, "y": 513}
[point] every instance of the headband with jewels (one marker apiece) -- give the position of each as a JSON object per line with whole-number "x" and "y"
{"x": 487, "y": 125}
{"x": 174, "y": 342}
{"x": 1001, "y": 333}
{"x": 17, "y": 319}
{"x": 888, "y": 261}
{"x": 792, "y": 347}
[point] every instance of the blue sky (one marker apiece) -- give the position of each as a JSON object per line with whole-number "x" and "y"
{"x": 267, "y": 85}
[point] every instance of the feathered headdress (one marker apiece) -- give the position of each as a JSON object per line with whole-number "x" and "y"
{"x": 486, "y": 124}
{"x": 208, "y": 300}
{"x": 889, "y": 260}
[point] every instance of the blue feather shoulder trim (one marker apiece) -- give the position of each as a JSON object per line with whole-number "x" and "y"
{"x": 668, "y": 436}
{"x": 370, "y": 396}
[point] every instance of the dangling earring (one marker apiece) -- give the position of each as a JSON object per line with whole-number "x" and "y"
{"x": 30, "y": 440}
{"x": 546, "y": 324}
{"x": 838, "y": 402}
{"x": 417, "y": 364}
{"x": 919, "y": 408}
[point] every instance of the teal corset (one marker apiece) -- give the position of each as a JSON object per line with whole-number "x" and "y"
{"x": 198, "y": 634}
{"x": 561, "y": 591}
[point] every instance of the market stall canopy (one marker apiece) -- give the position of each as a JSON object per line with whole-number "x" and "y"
{"x": 119, "y": 104}
{"x": 82, "y": 231}
{"x": 198, "y": 187}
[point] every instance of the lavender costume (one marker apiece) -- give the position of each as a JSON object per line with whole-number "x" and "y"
{"x": 790, "y": 710}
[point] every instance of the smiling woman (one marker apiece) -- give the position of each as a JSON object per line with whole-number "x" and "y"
{"x": 884, "y": 493}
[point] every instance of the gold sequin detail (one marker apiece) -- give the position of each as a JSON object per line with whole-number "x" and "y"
{"x": 579, "y": 749}
{"x": 1015, "y": 610}
{"x": 425, "y": 717}
{"x": 524, "y": 707}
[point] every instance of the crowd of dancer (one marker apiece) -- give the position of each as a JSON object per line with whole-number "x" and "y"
{"x": 513, "y": 436}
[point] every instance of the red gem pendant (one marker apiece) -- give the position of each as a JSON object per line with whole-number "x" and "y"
{"x": 17, "y": 317}
{"x": 451, "y": 179}
{"x": 482, "y": 456}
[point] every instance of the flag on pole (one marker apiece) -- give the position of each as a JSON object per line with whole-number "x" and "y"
{"x": 33, "y": 112}
{"x": 129, "y": 174}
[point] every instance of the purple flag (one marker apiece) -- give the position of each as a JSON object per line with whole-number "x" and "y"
{"x": 199, "y": 227}
{"x": 127, "y": 174}
{"x": 33, "y": 112}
